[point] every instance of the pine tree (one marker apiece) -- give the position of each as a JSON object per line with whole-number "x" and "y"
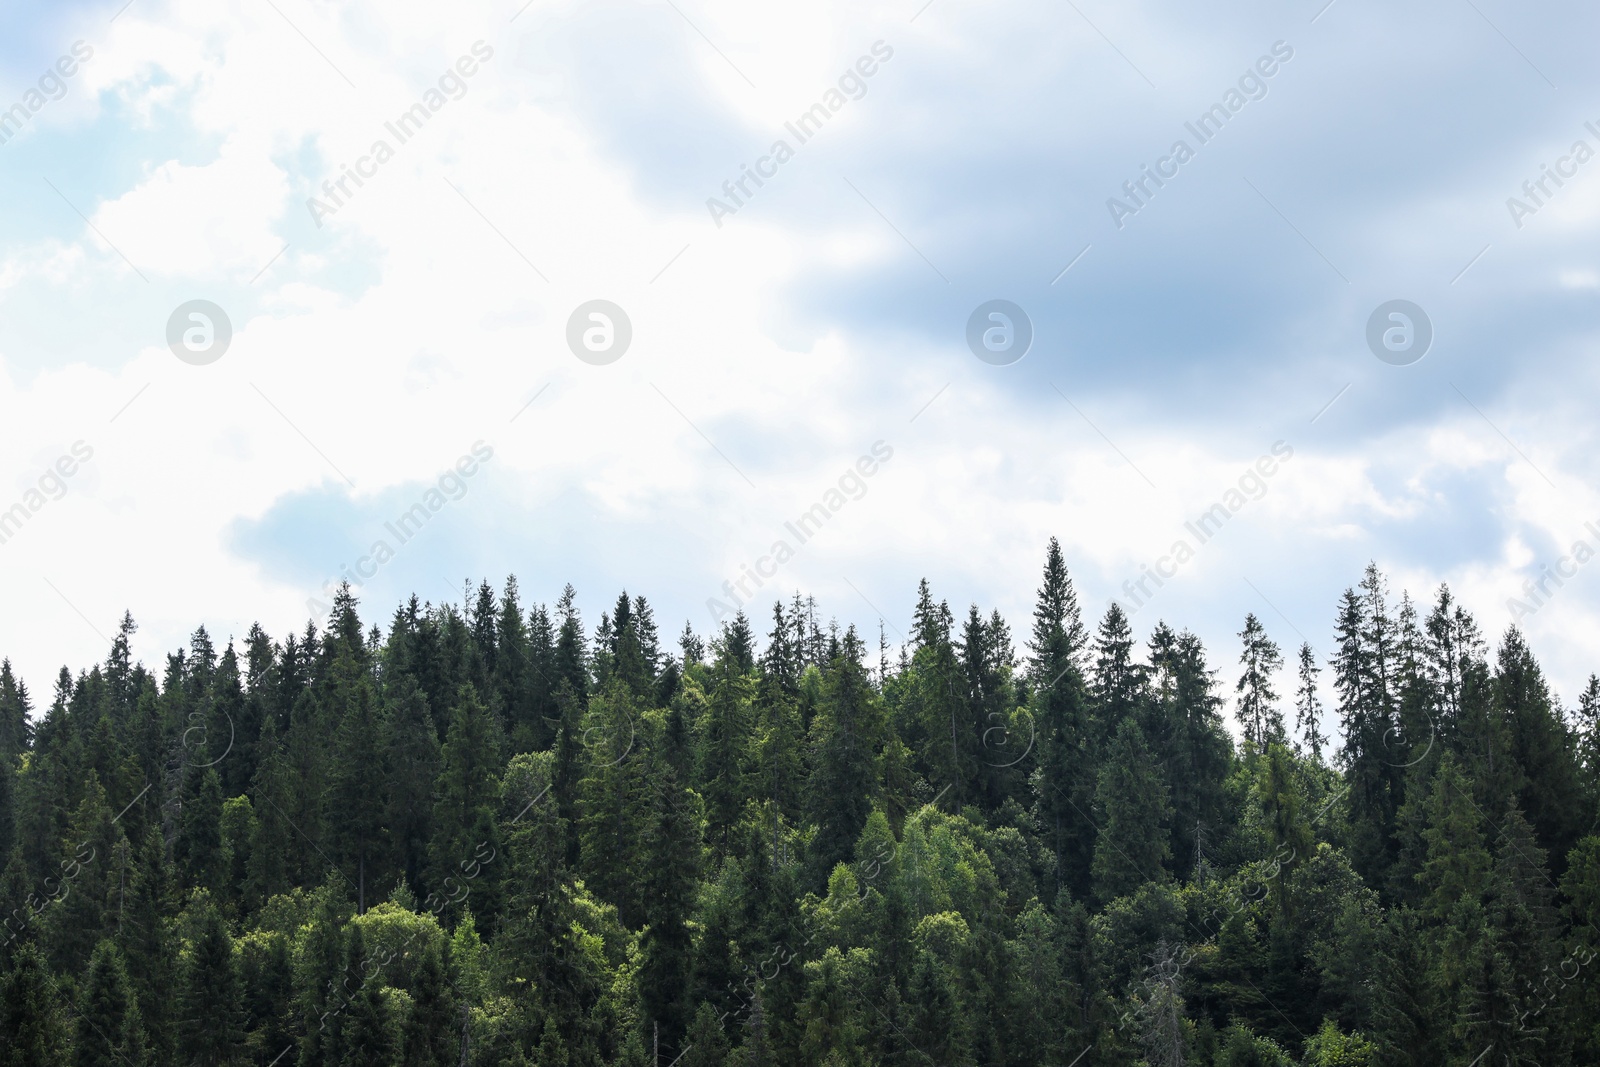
{"x": 1457, "y": 866}
{"x": 238, "y": 826}
{"x": 355, "y": 800}
{"x": 1453, "y": 647}
{"x": 1118, "y": 682}
{"x": 737, "y": 645}
{"x": 463, "y": 814}
{"x": 511, "y": 679}
{"x": 75, "y": 923}
{"x": 430, "y": 1038}
{"x": 16, "y": 729}
{"x": 1548, "y": 784}
{"x": 572, "y": 662}
{"x": 724, "y": 753}
{"x": 1287, "y": 830}
{"x": 986, "y": 659}
{"x": 1132, "y": 802}
{"x": 705, "y": 1045}
{"x": 33, "y": 1026}
{"x": 614, "y": 802}
{"x": 671, "y": 869}
{"x": 198, "y": 848}
{"x": 211, "y": 1029}
{"x": 266, "y": 974}
{"x": 411, "y": 761}
{"x": 366, "y": 1034}
{"x": 939, "y": 728}
{"x": 1259, "y": 716}
{"x": 109, "y": 1030}
{"x": 1581, "y": 997}
{"x": 320, "y": 980}
{"x": 1521, "y": 908}
{"x": 1184, "y": 728}
{"x": 148, "y": 945}
{"x": 272, "y": 841}
{"x": 845, "y": 737}
{"x": 1308, "y": 705}
{"x": 1363, "y": 665}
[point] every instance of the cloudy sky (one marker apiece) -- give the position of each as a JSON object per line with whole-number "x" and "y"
{"x": 1179, "y": 333}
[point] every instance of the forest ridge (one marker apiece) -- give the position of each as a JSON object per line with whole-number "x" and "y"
{"x": 491, "y": 835}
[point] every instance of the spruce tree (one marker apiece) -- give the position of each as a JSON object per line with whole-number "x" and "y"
{"x": 1308, "y": 705}
{"x": 109, "y": 1030}
{"x": 671, "y": 869}
{"x": 1259, "y": 716}
{"x": 463, "y": 814}
{"x": 1132, "y": 802}
{"x": 198, "y": 848}
{"x": 211, "y": 1032}
{"x": 845, "y": 738}
{"x": 1118, "y": 681}
{"x": 33, "y": 1024}
{"x": 411, "y": 759}
{"x": 614, "y": 802}
{"x": 149, "y": 947}
{"x": 737, "y": 644}
{"x": 1363, "y": 664}
{"x": 272, "y": 841}
{"x": 355, "y": 800}
{"x": 429, "y": 1037}
{"x": 16, "y": 729}
{"x": 724, "y": 753}
{"x": 366, "y": 1033}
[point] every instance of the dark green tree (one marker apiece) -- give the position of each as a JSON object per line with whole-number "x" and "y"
{"x": 33, "y": 1024}
{"x": 109, "y": 1030}
{"x": 1132, "y": 802}
{"x": 211, "y": 1031}
{"x": 1259, "y": 717}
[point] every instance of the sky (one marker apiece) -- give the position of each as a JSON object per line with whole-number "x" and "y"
{"x": 276, "y": 275}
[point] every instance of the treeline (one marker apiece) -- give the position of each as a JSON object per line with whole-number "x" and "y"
{"x": 490, "y": 835}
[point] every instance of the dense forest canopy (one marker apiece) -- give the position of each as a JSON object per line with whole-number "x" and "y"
{"x": 490, "y": 835}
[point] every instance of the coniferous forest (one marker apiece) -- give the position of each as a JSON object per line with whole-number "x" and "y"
{"x": 496, "y": 834}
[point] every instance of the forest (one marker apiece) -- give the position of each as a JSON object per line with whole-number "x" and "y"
{"x": 488, "y": 834}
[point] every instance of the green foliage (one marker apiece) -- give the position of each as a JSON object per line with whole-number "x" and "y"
{"x": 109, "y": 1029}
{"x": 33, "y": 1020}
{"x": 1131, "y": 800}
{"x": 1330, "y": 1047}
{"x": 490, "y": 836}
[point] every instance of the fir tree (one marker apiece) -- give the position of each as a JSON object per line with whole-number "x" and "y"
{"x": 429, "y": 1037}
{"x": 1259, "y": 716}
{"x": 845, "y": 738}
{"x": 211, "y": 1028}
{"x": 463, "y": 813}
{"x": 33, "y": 1024}
{"x": 1308, "y": 705}
{"x": 1133, "y": 806}
{"x": 411, "y": 760}
{"x": 367, "y": 1035}
{"x": 109, "y": 1030}
{"x": 671, "y": 869}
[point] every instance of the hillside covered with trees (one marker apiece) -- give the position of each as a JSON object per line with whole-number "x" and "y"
{"x": 489, "y": 834}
